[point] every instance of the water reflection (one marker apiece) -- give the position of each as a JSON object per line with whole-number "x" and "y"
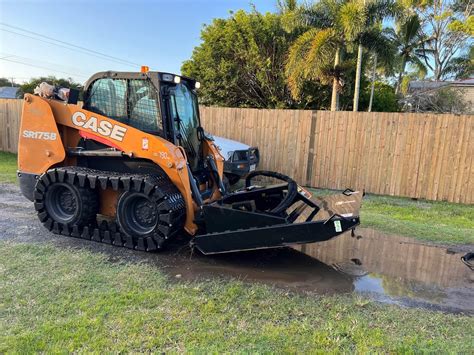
{"x": 399, "y": 269}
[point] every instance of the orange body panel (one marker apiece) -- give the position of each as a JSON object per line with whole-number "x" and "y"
{"x": 38, "y": 155}
{"x": 39, "y": 145}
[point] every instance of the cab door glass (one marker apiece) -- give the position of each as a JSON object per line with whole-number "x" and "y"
{"x": 185, "y": 113}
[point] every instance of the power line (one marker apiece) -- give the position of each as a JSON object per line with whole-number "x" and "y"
{"x": 41, "y": 62}
{"x": 67, "y": 45}
{"x": 41, "y": 67}
{"x": 59, "y": 45}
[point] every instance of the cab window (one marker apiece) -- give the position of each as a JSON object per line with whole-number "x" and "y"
{"x": 133, "y": 102}
{"x": 107, "y": 97}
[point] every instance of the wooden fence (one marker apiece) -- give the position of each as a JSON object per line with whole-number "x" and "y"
{"x": 416, "y": 155}
{"x": 10, "y": 112}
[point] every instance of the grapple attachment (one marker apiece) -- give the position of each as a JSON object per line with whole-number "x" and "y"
{"x": 275, "y": 216}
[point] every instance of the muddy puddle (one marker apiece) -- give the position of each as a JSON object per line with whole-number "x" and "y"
{"x": 386, "y": 268}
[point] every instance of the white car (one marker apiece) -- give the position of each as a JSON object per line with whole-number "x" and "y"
{"x": 240, "y": 158}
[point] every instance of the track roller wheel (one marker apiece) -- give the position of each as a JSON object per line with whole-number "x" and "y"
{"x": 61, "y": 205}
{"x": 148, "y": 213}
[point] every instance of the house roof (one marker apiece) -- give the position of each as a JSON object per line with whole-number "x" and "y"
{"x": 433, "y": 85}
{"x": 8, "y": 92}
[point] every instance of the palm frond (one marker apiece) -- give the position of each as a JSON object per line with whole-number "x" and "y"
{"x": 309, "y": 57}
{"x": 352, "y": 19}
{"x": 378, "y": 10}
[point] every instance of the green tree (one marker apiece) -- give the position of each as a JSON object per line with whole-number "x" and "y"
{"x": 241, "y": 62}
{"x": 28, "y": 87}
{"x": 461, "y": 67}
{"x": 450, "y": 25}
{"x": 410, "y": 41}
{"x": 384, "y": 98}
{"x": 7, "y": 82}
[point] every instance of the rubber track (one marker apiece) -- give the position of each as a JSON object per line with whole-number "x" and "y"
{"x": 169, "y": 200}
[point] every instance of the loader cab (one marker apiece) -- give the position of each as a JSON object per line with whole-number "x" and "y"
{"x": 161, "y": 104}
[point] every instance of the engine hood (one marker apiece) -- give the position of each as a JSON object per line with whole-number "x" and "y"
{"x": 228, "y": 145}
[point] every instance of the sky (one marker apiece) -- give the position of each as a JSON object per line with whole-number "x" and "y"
{"x": 160, "y": 34}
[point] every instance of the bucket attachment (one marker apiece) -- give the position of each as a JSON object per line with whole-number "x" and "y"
{"x": 275, "y": 216}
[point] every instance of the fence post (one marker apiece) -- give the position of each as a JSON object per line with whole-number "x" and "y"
{"x": 312, "y": 139}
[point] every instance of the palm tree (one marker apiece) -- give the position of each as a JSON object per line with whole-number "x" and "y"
{"x": 333, "y": 28}
{"x": 317, "y": 53}
{"x": 410, "y": 41}
{"x": 382, "y": 52}
{"x": 364, "y": 17}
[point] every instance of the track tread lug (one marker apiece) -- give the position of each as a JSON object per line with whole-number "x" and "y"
{"x": 75, "y": 231}
{"x": 40, "y": 186}
{"x": 71, "y": 177}
{"x": 43, "y": 216}
{"x": 92, "y": 181}
{"x": 148, "y": 188}
{"x": 48, "y": 224}
{"x": 151, "y": 245}
{"x": 52, "y": 175}
{"x": 96, "y": 235}
{"x": 65, "y": 230}
{"x": 86, "y": 233}
{"x": 103, "y": 182}
{"x": 137, "y": 184}
{"x": 141, "y": 245}
{"x": 45, "y": 180}
{"x": 61, "y": 175}
{"x": 81, "y": 177}
{"x": 56, "y": 229}
{"x": 106, "y": 237}
{"x": 128, "y": 242}
{"x": 164, "y": 229}
{"x": 117, "y": 239}
{"x": 115, "y": 182}
{"x": 38, "y": 196}
{"x": 126, "y": 182}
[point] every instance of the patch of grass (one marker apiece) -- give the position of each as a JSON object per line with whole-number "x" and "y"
{"x": 8, "y": 167}
{"x": 429, "y": 220}
{"x": 435, "y": 221}
{"x": 57, "y": 300}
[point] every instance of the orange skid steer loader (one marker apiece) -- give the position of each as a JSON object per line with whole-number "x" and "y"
{"x": 133, "y": 167}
